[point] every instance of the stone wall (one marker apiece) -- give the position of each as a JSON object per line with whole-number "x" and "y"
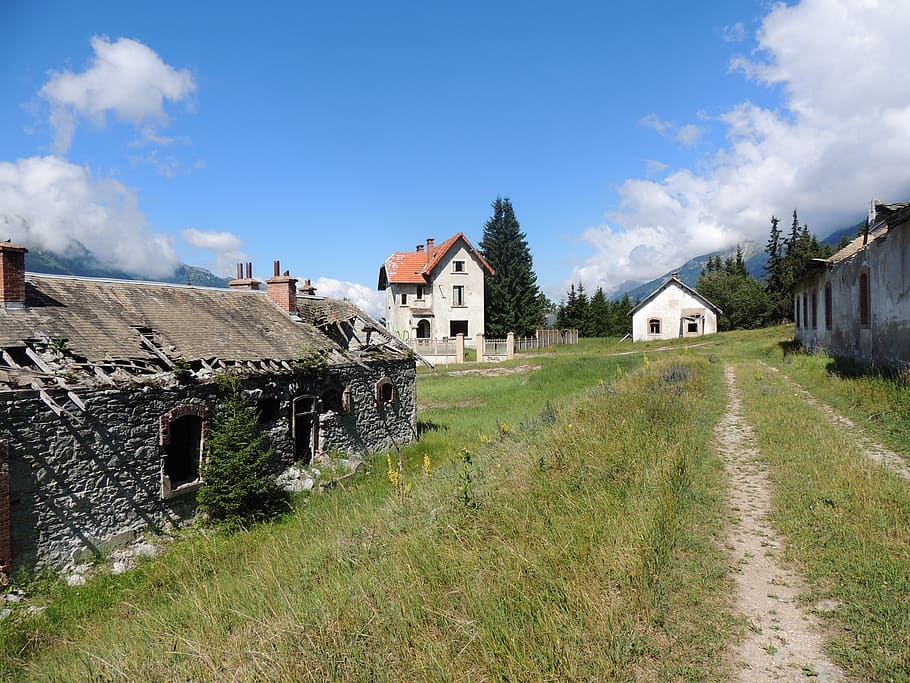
{"x": 81, "y": 483}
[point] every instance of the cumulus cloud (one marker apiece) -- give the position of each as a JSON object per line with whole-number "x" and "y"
{"x": 370, "y": 300}
{"x": 841, "y": 137}
{"x": 50, "y": 203}
{"x": 226, "y": 247}
{"x": 125, "y": 78}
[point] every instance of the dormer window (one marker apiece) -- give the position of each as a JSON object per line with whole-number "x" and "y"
{"x": 458, "y": 267}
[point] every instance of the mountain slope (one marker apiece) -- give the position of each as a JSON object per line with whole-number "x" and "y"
{"x": 82, "y": 262}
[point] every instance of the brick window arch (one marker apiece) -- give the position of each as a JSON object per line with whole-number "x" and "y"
{"x": 182, "y": 434}
{"x": 385, "y": 392}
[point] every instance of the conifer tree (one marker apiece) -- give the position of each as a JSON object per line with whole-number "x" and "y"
{"x": 513, "y": 301}
{"x": 238, "y": 485}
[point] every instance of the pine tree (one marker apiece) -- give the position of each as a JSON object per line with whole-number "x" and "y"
{"x": 238, "y": 485}
{"x": 513, "y": 301}
{"x": 600, "y": 313}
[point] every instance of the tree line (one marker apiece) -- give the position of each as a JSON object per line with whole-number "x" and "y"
{"x": 595, "y": 316}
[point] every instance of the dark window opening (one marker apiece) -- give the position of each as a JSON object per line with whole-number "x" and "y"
{"x": 796, "y": 317}
{"x": 404, "y": 298}
{"x": 864, "y": 302}
{"x": 385, "y": 391}
{"x": 184, "y": 450}
{"x": 458, "y": 295}
{"x": 303, "y": 426}
{"x": 337, "y": 400}
{"x": 423, "y": 329}
{"x": 458, "y": 327}
{"x": 814, "y": 310}
{"x": 692, "y": 326}
{"x": 458, "y": 266}
{"x": 267, "y": 410}
{"x": 419, "y": 292}
{"x": 805, "y": 311}
{"x": 829, "y": 313}
{"x": 654, "y": 326}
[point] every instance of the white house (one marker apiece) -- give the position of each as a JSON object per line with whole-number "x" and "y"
{"x": 673, "y": 310}
{"x": 435, "y": 291}
{"x": 855, "y": 304}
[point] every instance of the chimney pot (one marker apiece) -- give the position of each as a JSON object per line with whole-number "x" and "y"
{"x": 249, "y": 270}
{"x": 277, "y": 267}
{"x": 419, "y": 248}
{"x": 12, "y": 275}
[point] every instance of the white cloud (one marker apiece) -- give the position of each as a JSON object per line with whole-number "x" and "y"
{"x": 50, "y": 203}
{"x": 734, "y": 33}
{"x": 841, "y": 137}
{"x": 126, "y": 78}
{"x": 372, "y": 301}
{"x": 688, "y": 135}
{"x": 226, "y": 247}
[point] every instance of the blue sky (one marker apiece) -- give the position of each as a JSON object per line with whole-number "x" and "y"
{"x": 629, "y": 136}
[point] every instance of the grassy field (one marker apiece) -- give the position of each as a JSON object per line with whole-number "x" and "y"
{"x": 562, "y": 522}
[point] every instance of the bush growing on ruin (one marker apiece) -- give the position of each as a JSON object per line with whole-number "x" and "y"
{"x": 238, "y": 485}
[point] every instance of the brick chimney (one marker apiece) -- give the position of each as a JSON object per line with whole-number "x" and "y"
{"x": 431, "y": 247}
{"x": 283, "y": 290}
{"x": 242, "y": 282}
{"x": 308, "y": 289}
{"x": 12, "y": 275}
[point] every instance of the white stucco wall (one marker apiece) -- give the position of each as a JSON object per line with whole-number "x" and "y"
{"x": 669, "y": 307}
{"x": 886, "y": 339}
{"x": 403, "y": 319}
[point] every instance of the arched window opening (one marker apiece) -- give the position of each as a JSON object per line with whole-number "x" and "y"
{"x": 814, "y": 309}
{"x": 864, "y": 299}
{"x": 805, "y": 311}
{"x": 654, "y": 326}
{"x": 184, "y": 452}
{"x": 829, "y": 312}
{"x": 182, "y": 435}
{"x": 796, "y": 317}
{"x": 423, "y": 329}
{"x": 385, "y": 391}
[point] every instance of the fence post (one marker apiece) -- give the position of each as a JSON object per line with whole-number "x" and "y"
{"x": 459, "y": 348}
{"x": 480, "y": 348}
{"x": 510, "y": 345}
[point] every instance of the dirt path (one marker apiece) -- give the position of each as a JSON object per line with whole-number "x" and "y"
{"x": 869, "y": 448}
{"x": 783, "y": 643}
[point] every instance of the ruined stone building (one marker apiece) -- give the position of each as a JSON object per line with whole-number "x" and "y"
{"x": 856, "y": 304}
{"x": 107, "y": 396}
{"x": 435, "y": 291}
{"x": 673, "y": 310}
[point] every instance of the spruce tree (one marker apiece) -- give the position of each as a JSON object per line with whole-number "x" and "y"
{"x": 238, "y": 485}
{"x": 513, "y": 301}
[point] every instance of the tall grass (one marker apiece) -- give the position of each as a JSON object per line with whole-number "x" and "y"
{"x": 847, "y": 522}
{"x": 587, "y": 550}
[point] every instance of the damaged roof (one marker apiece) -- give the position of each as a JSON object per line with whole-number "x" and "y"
{"x": 91, "y": 331}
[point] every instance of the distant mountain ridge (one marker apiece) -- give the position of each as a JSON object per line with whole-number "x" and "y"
{"x": 82, "y": 262}
{"x": 754, "y": 253}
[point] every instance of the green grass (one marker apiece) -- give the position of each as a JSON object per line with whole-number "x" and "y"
{"x": 589, "y": 550}
{"x": 846, "y": 520}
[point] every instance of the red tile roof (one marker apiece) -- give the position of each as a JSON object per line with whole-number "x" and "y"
{"x": 411, "y": 267}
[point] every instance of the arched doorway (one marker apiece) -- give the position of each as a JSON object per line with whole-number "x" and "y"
{"x": 423, "y": 329}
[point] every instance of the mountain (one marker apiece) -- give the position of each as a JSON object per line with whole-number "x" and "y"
{"x": 81, "y": 261}
{"x": 691, "y": 269}
{"x": 756, "y": 260}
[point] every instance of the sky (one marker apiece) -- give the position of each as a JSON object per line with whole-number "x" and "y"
{"x": 628, "y": 136}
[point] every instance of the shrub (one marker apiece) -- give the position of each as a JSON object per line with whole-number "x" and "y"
{"x": 238, "y": 485}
